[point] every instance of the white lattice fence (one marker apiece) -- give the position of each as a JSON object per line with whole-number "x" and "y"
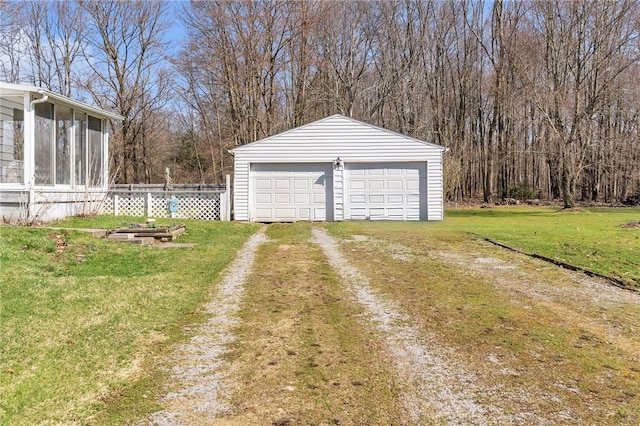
{"x": 131, "y": 204}
{"x": 205, "y": 205}
{"x": 191, "y": 205}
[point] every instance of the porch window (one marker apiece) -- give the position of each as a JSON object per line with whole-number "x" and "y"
{"x": 63, "y": 145}
{"x": 44, "y": 137}
{"x": 95, "y": 151}
{"x": 11, "y": 139}
{"x": 80, "y": 125}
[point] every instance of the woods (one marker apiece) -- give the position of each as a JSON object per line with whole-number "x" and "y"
{"x": 534, "y": 99}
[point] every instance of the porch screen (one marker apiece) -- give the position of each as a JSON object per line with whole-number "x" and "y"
{"x": 44, "y": 135}
{"x": 63, "y": 145}
{"x": 95, "y": 151}
{"x": 11, "y": 139}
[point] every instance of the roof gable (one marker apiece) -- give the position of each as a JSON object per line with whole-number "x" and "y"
{"x": 336, "y": 129}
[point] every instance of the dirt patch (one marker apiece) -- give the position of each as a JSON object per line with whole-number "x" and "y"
{"x": 630, "y": 225}
{"x": 59, "y": 240}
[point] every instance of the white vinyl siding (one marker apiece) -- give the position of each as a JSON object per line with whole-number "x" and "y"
{"x": 354, "y": 142}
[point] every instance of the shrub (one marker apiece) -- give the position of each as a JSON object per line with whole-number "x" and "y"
{"x": 521, "y": 191}
{"x": 632, "y": 200}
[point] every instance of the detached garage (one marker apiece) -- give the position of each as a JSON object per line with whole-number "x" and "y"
{"x": 338, "y": 169}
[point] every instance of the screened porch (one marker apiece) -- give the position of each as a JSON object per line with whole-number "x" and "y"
{"x": 53, "y": 155}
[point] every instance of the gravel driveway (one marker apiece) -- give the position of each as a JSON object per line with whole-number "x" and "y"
{"x": 436, "y": 387}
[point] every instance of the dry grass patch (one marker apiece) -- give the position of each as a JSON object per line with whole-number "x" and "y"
{"x": 303, "y": 356}
{"x": 551, "y": 345}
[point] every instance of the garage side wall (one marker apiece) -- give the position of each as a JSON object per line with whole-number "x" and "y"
{"x": 240, "y": 189}
{"x": 435, "y": 192}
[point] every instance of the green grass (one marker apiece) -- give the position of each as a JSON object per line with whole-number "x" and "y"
{"x": 79, "y": 324}
{"x": 590, "y": 238}
{"x": 81, "y": 328}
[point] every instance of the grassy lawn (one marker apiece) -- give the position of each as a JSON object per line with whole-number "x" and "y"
{"x": 590, "y": 238}
{"x": 85, "y": 323}
{"x": 81, "y": 317}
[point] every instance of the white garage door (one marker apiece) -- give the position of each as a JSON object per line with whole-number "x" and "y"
{"x": 386, "y": 191}
{"x": 291, "y": 192}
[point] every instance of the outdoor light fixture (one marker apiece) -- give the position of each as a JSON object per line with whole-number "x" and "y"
{"x": 338, "y": 163}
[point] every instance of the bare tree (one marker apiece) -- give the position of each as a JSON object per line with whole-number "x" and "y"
{"x": 585, "y": 53}
{"x": 532, "y": 98}
{"x": 125, "y": 49}
{"x": 55, "y": 32}
{"x": 344, "y": 49}
{"x": 13, "y": 41}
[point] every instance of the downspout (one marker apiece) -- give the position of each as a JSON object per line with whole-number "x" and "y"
{"x": 31, "y": 201}
{"x": 44, "y": 98}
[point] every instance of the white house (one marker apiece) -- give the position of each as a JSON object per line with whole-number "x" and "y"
{"x": 53, "y": 155}
{"x": 338, "y": 169}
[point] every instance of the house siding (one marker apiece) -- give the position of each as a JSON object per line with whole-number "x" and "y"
{"x": 337, "y": 136}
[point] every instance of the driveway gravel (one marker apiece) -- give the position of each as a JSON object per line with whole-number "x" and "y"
{"x": 198, "y": 395}
{"x": 436, "y": 387}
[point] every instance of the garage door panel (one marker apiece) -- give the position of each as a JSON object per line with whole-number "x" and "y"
{"x": 395, "y": 199}
{"x": 376, "y": 199}
{"x": 285, "y": 213}
{"x": 358, "y": 213}
{"x": 413, "y": 214}
{"x": 300, "y": 183}
{"x": 376, "y": 185}
{"x": 395, "y": 184}
{"x": 281, "y": 198}
{"x": 263, "y": 184}
{"x": 396, "y": 212}
{"x": 263, "y": 198}
{"x": 304, "y": 213}
{"x": 282, "y": 184}
{"x": 291, "y": 192}
{"x": 413, "y": 185}
{"x": 301, "y": 199}
{"x": 357, "y": 184}
{"x": 319, "y": 183}
{"x": 264, "y": 212}
{"x": 357, "y": 199}
{"x": 375, "y": 212}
